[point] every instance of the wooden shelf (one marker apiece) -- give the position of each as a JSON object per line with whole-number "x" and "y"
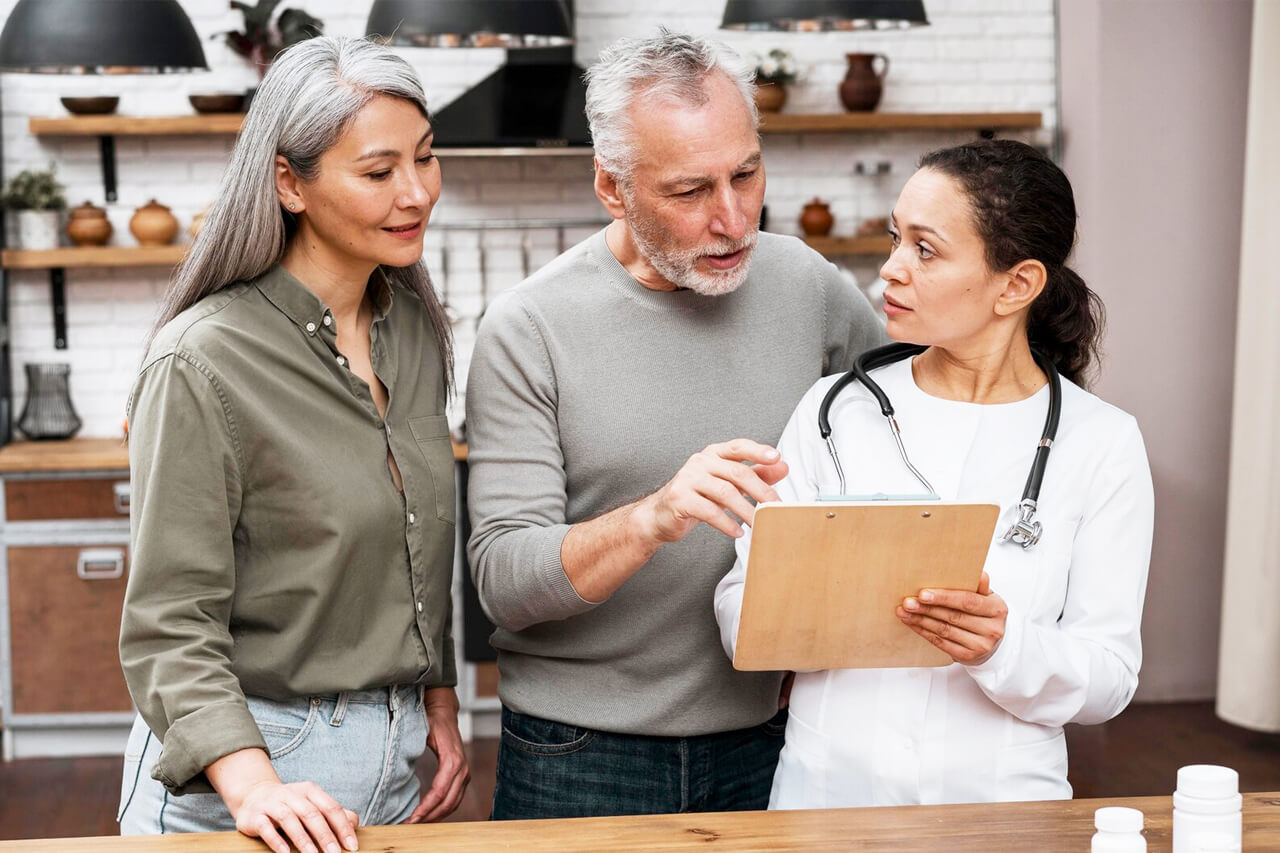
{"x": 112, "y": 125}
{"x": 834, "y": 246}
{"x": 92, "y": 256}
{"x": 229, "y": 123}
{"x": 873, "y": 121}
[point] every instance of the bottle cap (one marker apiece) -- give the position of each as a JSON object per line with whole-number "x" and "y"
{"x": 1208, "y": 781}
{"x": 1214, "y": 842}
{"x": 1117, "y": 819}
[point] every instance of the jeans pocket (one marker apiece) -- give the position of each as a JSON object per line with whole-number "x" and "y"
{"x": 284, "y": 724}
{"x": 139, "y": 737}
{"x": 537, "y": 736}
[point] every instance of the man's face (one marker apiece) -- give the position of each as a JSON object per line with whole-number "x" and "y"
{"x": 693, "y": 200}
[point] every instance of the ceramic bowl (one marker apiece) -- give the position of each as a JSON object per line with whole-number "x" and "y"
{"x": 94, "y": 106}
{"x": 223, "y": 102}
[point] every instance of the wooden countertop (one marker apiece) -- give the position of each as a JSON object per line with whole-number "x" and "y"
{"x": 85, "y": 454}
{"x": 1052, "y": 827}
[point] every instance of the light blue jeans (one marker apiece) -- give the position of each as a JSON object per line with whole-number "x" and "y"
{"x": 360, "y": 746}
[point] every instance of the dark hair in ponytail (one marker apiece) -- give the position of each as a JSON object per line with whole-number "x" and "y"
{"x": 1024, "y": 209}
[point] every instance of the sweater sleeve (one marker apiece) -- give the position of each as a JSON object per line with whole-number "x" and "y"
{"x": 800, "y": 484}
{"x": 516, "y": 487}
{"x": 852, "y": 325}
{"x": 175, "y": 643}
{"x": 1084, "y": 668}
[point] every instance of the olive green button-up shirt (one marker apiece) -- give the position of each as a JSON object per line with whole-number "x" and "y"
{"x": 273, "y": 554}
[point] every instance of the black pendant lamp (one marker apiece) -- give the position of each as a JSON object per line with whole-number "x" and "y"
{"x": 823, "y": 15}
{"x": 99, "y": 37}
{"x": 471, "y": 23}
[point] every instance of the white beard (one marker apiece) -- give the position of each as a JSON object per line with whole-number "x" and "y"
{"x": 680, "y": 266}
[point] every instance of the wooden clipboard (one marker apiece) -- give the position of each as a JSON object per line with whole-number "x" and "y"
{"x": 824, "y": 580}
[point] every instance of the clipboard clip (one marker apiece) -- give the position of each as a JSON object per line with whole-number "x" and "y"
{"x": 1025, "y": 531}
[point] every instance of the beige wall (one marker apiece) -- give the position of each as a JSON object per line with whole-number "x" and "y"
{"x": 1153, "y": 106}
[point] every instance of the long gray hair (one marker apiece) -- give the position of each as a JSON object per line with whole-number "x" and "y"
{"x": 303, "y": 106}
{"x": 669, "y": 65}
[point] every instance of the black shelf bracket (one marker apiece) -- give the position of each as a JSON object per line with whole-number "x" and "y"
{"x": 58, "y": 288}
{"x": 107, "y": 146}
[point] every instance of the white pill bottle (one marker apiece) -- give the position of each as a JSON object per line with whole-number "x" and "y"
{"x": 1119, "y": 831}
{"x": 1207, "y": 801}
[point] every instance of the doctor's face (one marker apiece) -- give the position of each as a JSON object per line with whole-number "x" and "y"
{"x": 940, "y": 290}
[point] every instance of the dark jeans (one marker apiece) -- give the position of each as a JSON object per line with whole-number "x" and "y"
{"x": 548, "y": 769}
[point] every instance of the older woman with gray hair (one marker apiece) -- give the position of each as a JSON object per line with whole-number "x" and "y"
{"x": 286, "y": 633}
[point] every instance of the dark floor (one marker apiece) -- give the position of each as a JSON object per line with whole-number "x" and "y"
{"x": 1136, "y": 754}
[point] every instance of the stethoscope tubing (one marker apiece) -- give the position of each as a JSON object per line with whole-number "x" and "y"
{"x": 1025, "y": 531}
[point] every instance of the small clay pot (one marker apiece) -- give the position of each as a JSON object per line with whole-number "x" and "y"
{"x": 153, "y": 225}
{"x": 770, "y": 97}
{"x": 87, "y": 225}
{"x": 197, "y": 222}
{"x": 862, "y": 86}
{"x": 816, "y": 219}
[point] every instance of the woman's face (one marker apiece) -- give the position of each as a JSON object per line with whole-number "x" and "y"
{"x": 940, "y": 290}
{"x": 371, "y": 199}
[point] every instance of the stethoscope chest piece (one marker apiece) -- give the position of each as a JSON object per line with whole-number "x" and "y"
{"x": 1025, "y": 531}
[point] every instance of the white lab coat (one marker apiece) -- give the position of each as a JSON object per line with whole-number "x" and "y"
{"x": 1071, "y": 649}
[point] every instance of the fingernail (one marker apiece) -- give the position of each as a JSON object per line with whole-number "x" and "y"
{"x": 911, "y": 603}
{"x": 926, "y": 596}
{"x": 771, "y": 455}
{"x": 332, "y": 848}
{"x": 351, "y": 842}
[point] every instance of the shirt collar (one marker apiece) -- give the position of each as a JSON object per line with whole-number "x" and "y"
{"x": 306, "y": 309}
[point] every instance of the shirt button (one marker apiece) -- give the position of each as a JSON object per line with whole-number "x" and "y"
{"x": 328, "y": 321}
{"x": 419, "y": 606}
{"x": 311, "y": 327}
{"x": 412, "y": 518}
{"x": 342, "y": 361}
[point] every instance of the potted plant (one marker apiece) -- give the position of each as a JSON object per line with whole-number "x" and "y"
{"x": 773, "y": 71}
{"x": 262, "y": 39}
{"x": 36, "y": 198}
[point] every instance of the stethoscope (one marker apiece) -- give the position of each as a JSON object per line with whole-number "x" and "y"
{"x": 1026, "y": 530}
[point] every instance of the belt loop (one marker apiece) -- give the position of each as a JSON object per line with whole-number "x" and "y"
{"x": 422, "y": 696}
{"x": 340, "y": 711}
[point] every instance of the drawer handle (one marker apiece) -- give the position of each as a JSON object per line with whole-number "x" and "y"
{"x": 121, "y": 493}
{"x": 100, "y": 564}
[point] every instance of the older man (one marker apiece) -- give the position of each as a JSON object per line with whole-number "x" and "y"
{"x": 613, "y": 400}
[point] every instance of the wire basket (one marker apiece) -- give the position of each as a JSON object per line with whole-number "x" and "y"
{"x": 48, "y": 413}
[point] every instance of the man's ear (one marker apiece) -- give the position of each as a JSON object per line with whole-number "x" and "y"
{"x": 609, "y": 191}
{"x": 1025, "y": 281}
{"x": 287, "y": 186}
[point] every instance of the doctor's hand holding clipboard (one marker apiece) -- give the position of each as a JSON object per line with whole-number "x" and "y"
{"x": 941, "y": 642}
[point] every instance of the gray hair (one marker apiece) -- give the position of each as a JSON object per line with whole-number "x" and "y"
{"x": 305, "y": 103}
{"x": 668, "y": 65}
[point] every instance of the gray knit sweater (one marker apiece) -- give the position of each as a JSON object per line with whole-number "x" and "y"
{"x": 588, "y": 391}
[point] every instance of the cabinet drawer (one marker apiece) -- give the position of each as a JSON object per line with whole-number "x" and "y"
{"x": 54, "y": 500}
{"x": 64, "y": 628}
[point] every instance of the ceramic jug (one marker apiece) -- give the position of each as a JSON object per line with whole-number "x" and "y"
{"x": 863, "y": 85}
{"x": 816, "y": 219}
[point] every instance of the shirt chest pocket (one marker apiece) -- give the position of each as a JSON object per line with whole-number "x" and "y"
{"x": 432, "y": 436}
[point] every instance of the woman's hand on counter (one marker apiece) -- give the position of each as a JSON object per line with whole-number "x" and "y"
{"x": 299, "y": 814}
{"x": 452, "y": 773}
{"x": 966, "y": 625}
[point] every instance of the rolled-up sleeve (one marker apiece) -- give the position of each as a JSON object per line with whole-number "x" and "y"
{"x": 175, "y": 643}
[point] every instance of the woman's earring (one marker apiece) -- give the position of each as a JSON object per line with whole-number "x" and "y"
{"x": 292, "y": 205}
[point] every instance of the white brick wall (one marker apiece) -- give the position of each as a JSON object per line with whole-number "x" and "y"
{"x": 976, "y": 55}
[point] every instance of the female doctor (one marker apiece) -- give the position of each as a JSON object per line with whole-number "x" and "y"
{"x": 981, "y": 235}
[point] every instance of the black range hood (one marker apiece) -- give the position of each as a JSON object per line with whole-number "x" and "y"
{"x": 524, "y": 104}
